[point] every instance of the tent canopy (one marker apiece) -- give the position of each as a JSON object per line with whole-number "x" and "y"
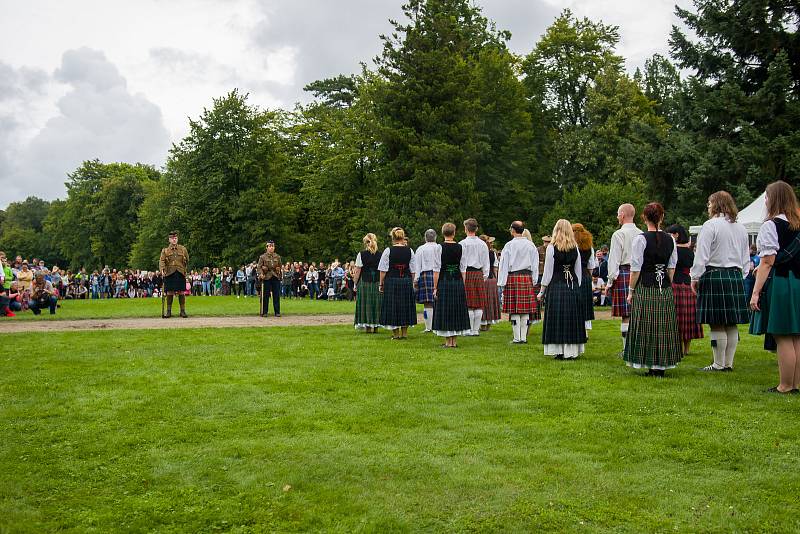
{"x": 752, "y": 217}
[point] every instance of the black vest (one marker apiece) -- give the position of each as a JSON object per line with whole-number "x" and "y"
{"x": 785, "y": 237}
{"x": 585, "y": 256}
{"x": 369, "y": 269}
{"x": 684, "y": 266}
{"x": 399, "y": 262}
{"x": 564, "y": 267}
{"x": 656, "y": 256}
{"x": 451, "y": 260}
{"x": 492, "y": 259}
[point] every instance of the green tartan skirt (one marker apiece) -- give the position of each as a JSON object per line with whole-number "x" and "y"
{"x": 653, "y": 338}
{"x": 722, "y": 299}
{"x": 368, "y": 305}
{"x": 780, "y": 307}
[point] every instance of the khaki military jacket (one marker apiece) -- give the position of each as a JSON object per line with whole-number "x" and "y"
{"x": 173, "y": 259}
{"x": 270, "y": 266}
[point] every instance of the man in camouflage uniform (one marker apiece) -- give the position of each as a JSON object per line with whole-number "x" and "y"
{"x": 270, "y": 272}
{"x": 172, "y": 264}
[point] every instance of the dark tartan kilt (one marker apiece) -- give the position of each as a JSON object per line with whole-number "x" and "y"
{"x": 587, "y": 297}
{"x": 619, "y": 293}
{"x": 563, "y": 315}
{"x": 518, "y": 295}
{"x": 722, "y": 299}
{"x": 450, "y": 309}
{"x": 779, "y": 313}
{"x": 686, "y": 308}
{"x": 653, "y": 338}
{"x": 537, "y": 315}
{"x": 491, "y": 313}
{"x": 175, "y": 282}
{"x": 476, "y": 290}
{"x": 425, "y": 287}
{"x": 368, "y": 304}
{"x": 398, "y": 307}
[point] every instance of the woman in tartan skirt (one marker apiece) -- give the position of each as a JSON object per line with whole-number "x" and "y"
{"x": 588, "y": 262}
{"x": 368, "y": 298}
{"x": 397, "y": 267}
{"x": 564, "y": 330}
{"x": 425, "y": 257}
{"x": 776, "y": 293}
{"x": 450, "y": 316}
{"x": 721, "y": 257}
{"x": 491, "y": 314}
{"x": 653, "y": 339}
{"x": 685, "y": 300}
{"x": 519, "y": 270}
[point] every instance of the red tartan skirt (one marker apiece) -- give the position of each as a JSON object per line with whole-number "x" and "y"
{"x": 686, "y": 308}
{"x": 476, "y": 290}
{"x": 619, "y": 293}
{"x": 518, "y": 295}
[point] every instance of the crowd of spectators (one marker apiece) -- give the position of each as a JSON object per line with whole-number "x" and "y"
{"x": 32, "y": 286}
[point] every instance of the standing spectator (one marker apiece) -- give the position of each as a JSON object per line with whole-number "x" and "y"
{"x": 722, "y": 254}
{"x": 286, "y": 282}
{"x": 205, "y": 280}
{"x": 240, "y": 281}
{"x": 252, "y": 274}
{"x": 95, "y": 284}
{"x": 25, "y": 277}
{"x": 750, "y": 279}
{"x": 312, "y": 278}
{"x": 322, "y": 279}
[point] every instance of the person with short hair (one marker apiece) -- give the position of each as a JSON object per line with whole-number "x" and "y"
{"x": 270, "y": 272}
{"x": 619, "y": 267}
{"x": 172, "y": 264}
{"x": 718, "y": 280}
{"x": 776, "y": 295}
{"x": 475, "y": 271}
{"x": 450, "y": 315}
{"x": 564, "y": 328}
{"x": 518, "y": 271}
{"x": 426, "y": 261}
{"x": 654, "y": 342}
{"x": 685, "y": 299}
{"x": 366, "y": 280}
{"x": 42, "y": 295}
{"x": 397, "y": 267}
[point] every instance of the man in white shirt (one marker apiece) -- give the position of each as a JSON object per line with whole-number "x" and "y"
{"x": 475, "y": 270}
{"x": 426, "y": 257}
{"x": 619, "y": 266}
{"x": 519, "y": 270}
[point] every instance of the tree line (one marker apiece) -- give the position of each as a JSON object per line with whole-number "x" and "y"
{"x": 448, "y": 123}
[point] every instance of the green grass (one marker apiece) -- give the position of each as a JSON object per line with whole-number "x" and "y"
{"x": 195, "y": 306}
{"x": 202, "y": 430}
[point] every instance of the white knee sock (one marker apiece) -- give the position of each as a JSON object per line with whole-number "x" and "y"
{"x": 525, "y": 325}
{"x": 516, "y": 325}
{"x": 719, "y": 344}
{"x": 471, "y": 314}
{"x": 476, "y": 322}
{"x": 624, "y": 331}
{"x": 428, "y": 314}
{"x": 733, "y": 341}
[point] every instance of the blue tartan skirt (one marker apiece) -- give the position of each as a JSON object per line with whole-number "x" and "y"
{"x": 425, "y": 288}
{"x": 721, "y": 298}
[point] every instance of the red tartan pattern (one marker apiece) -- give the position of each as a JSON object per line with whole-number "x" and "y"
{"x": 476, "y": 290}
{"x": 491, "y": 313}
{"x": 518, "y": 295}
{"x": 619, "y": 293}
{"x": 686, "y": 307}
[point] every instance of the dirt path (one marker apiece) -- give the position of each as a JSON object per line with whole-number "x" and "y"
{"x": 155, "y": 323}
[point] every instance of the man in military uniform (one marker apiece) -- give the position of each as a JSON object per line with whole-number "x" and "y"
{"x": 270, "y": 272}
{"x": 172, "y": 264}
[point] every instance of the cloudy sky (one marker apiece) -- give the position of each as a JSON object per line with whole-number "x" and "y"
{"x": 117, "y": 80}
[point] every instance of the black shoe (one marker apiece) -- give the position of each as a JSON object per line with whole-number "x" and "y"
{"x": 776, "y": 390}
{"x": 728, "y": 369}
{"x": 559, "y": 357}
{"x": 167, "y": 316}
{"x": 264, "y": 315}
{"x": 795, "y": 391}
{"x": 713, "y": 369}
{"x": 277, "y": 315}
{"x": 183, "y": 314}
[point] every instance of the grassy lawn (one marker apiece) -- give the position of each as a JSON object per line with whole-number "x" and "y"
{"x": 195, "y": 306}
{"x": 324, "y": 429}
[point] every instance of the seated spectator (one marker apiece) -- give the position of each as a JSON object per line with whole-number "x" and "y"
{"x": 331, "y": 293}
{"x": 43, "y": 296}
{"x": 15, "y": 302}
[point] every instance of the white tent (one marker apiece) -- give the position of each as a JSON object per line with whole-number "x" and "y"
{"x": 752, "y": 217}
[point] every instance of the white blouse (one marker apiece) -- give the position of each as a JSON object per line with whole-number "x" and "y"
{"x": 720, "y": 243}
{"x": 474, "y": 253}
{"x": 767, "y": 240}
{"x": 383, "y": 265}
{"x": 426, "y": 256}
{"x": 519, "y": 254}
{"x": 637, "y": 253}
{"x": 549, "y": 258}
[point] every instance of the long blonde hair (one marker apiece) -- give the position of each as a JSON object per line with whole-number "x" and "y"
{"x": 371, "y": 242}
{"x": 563, "y": 236}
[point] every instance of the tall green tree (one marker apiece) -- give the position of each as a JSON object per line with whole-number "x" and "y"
{"x": 22, "y": 231}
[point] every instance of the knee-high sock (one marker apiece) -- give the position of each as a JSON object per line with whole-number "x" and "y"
{"x": 476, "y": 321}
{"x": 719, "y": 344}
{"x": 471, "y": 314}
{"x": 525, "y": 326}
{"x": 516, "y": 326}
{"x": 733, "y": 341}
{"x": 170, "y": 298}
{"x": 428, "y": 314}
{"x": 182, "y": 302}
{"x": 624, "y": 331}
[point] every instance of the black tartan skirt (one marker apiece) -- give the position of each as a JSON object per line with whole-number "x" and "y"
{"x": 653, "y": 338}
{"x": 563, "y": 315}
{"x": 398, "y": 307}
{"x": 175, "y": 282}
{"x": 722, "y": 299}
{"x": 587, "y": 297}
{"x": 450, "y": 308}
